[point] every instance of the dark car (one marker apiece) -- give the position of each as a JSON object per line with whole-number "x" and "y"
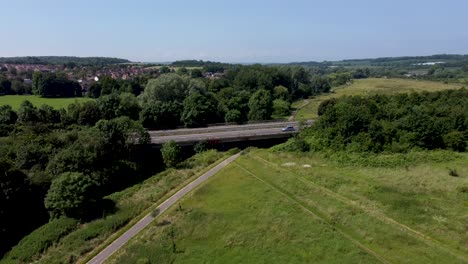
{"x": 288, "y": 128}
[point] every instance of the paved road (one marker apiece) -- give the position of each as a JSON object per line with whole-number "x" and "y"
{"x": 224, "y": 136}
{"x": 119, "y": 242}
{"x": 224, "y": 128}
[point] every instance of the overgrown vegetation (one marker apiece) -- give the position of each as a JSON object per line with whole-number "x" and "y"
{"x": 128, "y": 205}
{"x": 399, "y": 123}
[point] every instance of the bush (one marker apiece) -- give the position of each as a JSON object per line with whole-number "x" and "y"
{"x": 396, "y": 123}
{"x": 281, "y": 107}
{"x": 455, "y": 140}
{"x": 171, "y": 154}
{"x": 453, "y": 172}
{"x": 463, "y": 189}
{"x": 71, "y": 194}
{"x": 42, "y": 238}
{"x": 295, "y": 144}
{"x": 200, "y": 147}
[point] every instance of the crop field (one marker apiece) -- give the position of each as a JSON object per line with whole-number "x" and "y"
{"x": 371, "y": 86}
{"x": 57, "y": 103}
{"x": 270, "y": 207}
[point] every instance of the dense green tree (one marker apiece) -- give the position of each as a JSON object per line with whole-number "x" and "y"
{"x": 37, "y": 87}
{"x": 255, "y": 77}
{"x": 164, "y": 70}
{"x": 281, "y": 107}
{"x": 7, "y": 115}
{"x": 196, "y": 86}
{"x": 108, "y": 85}
{"x": 161, "y": 115}
{"x": 71, "y": 194}
{"x": 16, "y": 194}
{"x": 109, "y": 106}
{"x": 128, "y": 106}
{"x": 233, "y": 116}
{"x": 5, "y": 86}
{"x": 171, "y": 154}
{"x": 18, "y": 87}
{"x": 455, "y": 140}
{"x": 27, "y": 112}
{"x": 320, "y": 84}
{"x": 166, "y": 88}
{"x": 200, "y": 109}
{"x": 281, "y": 92}
{"x": 47, "y": 115}
{"x": 260, "y": 105}
{"x": 89, "y": 113}
{"x": 54, "y": 85}
{"x": 196, "y": 73}
{"x": 94, "y": 90}
{"x": 182, "y": 71}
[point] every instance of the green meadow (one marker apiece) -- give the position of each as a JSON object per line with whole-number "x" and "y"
{"x": 57, "y": 103}
{"x": 271, "y": 207}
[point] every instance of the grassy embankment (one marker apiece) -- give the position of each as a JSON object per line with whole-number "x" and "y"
{"x": 303, "y": 208}
{"x": 370, "y": 87}
{"x": 57, "y": 103}
{"x": 74, "y": 241}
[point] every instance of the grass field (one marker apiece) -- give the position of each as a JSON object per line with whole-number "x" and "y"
{"x": 57, "y": 103}
{"x": 370, "y": 87}
{"x": 289, "y": 208}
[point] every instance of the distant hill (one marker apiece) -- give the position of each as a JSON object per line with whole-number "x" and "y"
{"x": 55, "y": 60}
{"x": 449, "y": 60}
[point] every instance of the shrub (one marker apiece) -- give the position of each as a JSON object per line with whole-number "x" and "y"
{"x": 295, "y": 144}
{"x": 171, "y": 154}
{"x": 392, "y": 123}
{"x": 463, "y": 189}
{"x": 455, "y": 140}
{"x": 453, "y": 172}
{"x": 200, "y": 147}
{"x": 39, "y": 240}
{"x": 71, "y": 194}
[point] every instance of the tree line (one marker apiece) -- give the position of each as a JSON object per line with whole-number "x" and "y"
{"x": 61, "y": 60}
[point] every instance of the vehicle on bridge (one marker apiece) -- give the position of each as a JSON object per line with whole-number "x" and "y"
{"x": 288, "y": 128}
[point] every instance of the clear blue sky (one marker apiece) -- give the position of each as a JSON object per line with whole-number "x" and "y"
{"x": 235, "y": 30}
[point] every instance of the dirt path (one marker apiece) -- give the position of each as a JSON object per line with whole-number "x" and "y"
{"x": 293, "y": 114}
{"x": 124, "y": 238}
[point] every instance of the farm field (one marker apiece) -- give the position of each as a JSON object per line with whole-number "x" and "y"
{"x": 371, "y": 86}
{"x": 302, "y": 208}
{"x": 57, "y": 103}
